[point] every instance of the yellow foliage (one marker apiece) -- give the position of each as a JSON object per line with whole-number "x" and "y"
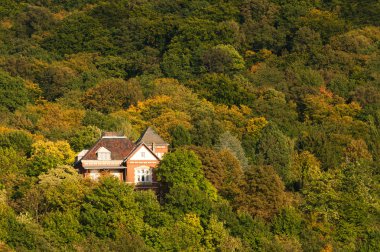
{"x": 6, "y": 24}
{"x": 233, "y": 118}
{"x": 256, "y": 67}
{"x": 60, "y": 15}
{"x": 320, "y": 14}
{"x": 245, "y": 110}
{"x": 170, "y": 119}
{"x": 351, "y": 109}
{"x": 357, "y": 150}
{"x": 329, "y": 106}
{"x": 288, "y": 243}
{"x": 193, "y": 220}
{"x": 6, "y": 130}
{"x": 59, "y": 150}
{"x": 265, "y": 53}
{"x": 56, "y": 118}
{"x": 48, "y": 118}
{"x": 155, "y": 105}
{"x": 362, "y": 41}
{"x": 249, "y": 53}
{"x": 82, "y": 61}
{"x": 182, "y": 98}
{"x": 165, "y": 82}
{"x": 328, "y": 248}
{"x": 256, "y": 124}
{"x": 33, "y": 89}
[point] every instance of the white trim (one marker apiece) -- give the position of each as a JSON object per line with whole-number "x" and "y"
{"x": 143, "y": 162}
{"x": 143, "y": 174}
{"x": 101, "y": 163}
{"x": 113, "y": 137}
{"x": 138, "y": 156}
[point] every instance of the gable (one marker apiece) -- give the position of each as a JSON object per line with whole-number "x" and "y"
{"x": 102, "y": 149}
{"x": 142, "y": 153}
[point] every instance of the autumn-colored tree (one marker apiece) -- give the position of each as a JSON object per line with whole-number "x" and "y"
{"x": 304, "y": 169}
{"x": 264, "y": 193}
{"x": 111, "y": 95}
{"x": 47, "y": 155}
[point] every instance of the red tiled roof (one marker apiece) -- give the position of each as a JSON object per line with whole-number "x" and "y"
{"x": 120, "y": 147}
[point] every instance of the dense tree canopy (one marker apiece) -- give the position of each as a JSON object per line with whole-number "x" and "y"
{"x": 271, "y": 109}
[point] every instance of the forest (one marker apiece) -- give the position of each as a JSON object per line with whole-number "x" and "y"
{"x": 271, "y": 109}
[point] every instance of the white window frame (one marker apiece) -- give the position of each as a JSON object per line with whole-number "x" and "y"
{"x": 104, "y": 155}
{"x": 95, "y": 174}
{"x": 143, "y": 174}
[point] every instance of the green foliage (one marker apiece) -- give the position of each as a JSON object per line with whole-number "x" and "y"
{"x": 181, "y": 167}
{"x": 180, "y": 136}
{"x": 110, "y": 207}
{"x": 10, "y": 162}
{"x": 8, "y": 8}
{"x": 21, "y": 141}
{"x": 288, "y": 87}
{"x": 84, "y": 138}
{"x": 304, "y": 169}
{"x": 220, "y": 88}
{"x": 229, "y": 142}
{"x": 63, "y": 189}
{"x": 99, "y": 120}
{"x": 64, "y": 224}
{"x": 187, "y": 231}
{"x": 287, "y": 222}
{"x": 182, "y": 199}
{"x": 13, "y": 93}
{"x": 78, "y": 33}
{"x": 187, "y": 189}
{"x": 275, "y": 149}
{"x": 153, "y": 213}
{"x": 217, "y": 237}
{"x": 223, "y": 59}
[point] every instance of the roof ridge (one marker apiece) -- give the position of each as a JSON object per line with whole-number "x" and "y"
{"x": 151, "y": 136}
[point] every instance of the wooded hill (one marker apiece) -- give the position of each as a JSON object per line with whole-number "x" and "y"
{"x": 271, "y": 107}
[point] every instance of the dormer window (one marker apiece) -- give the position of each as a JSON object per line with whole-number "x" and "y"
{"x": 103, "y": 154}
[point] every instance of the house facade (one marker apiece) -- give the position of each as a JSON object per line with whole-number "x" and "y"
{"x": 116, "y": 155}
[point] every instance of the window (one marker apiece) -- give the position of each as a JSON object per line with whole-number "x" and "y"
{"x": 142, "y": 154}
{"x": 103, "y": 154}
{"x": 94, "y": 175}
{"x": 143, "y": 175}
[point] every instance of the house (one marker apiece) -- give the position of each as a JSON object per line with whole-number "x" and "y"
{"x": 116, "y": 155}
